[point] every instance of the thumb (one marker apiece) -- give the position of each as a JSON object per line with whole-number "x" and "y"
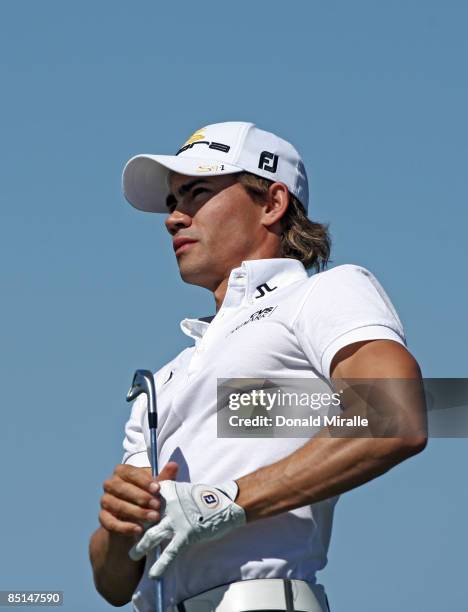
{"x": 169, "y": 471}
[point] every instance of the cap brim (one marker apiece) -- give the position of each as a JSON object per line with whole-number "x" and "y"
{"x": 145, "y": 177}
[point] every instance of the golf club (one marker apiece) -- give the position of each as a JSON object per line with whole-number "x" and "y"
{"x": 143, "y": 382}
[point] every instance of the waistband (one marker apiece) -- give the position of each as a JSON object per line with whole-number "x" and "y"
{"x": 268, "y": 594}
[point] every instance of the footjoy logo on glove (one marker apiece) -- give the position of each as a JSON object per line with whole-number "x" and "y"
{"x": 210, "y": 499}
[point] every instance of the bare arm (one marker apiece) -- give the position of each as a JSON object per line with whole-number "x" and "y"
{"x": 116, "y": 576}
{"x": 127, "y": 503}
{"x": 328, "y": 466}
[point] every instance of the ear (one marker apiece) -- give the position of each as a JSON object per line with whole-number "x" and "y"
{"x": 276, "y": 204}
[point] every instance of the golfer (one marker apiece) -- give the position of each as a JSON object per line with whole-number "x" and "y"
{"x": 245, "y": 522}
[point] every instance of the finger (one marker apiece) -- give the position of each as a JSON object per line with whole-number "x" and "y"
{"x": 111, "y": 523}
{"x": 169, "y": 471}
{"x": 140, "y": 477}
{"x": 151, "y": 538}
{"x": 167, "y": 557}
{"x": 126, "y": 511}
{"x": 129, "y": 492}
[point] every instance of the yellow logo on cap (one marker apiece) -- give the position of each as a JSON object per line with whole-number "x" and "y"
{"x": 198, "y": 135}
{"x": 213, "y": 168}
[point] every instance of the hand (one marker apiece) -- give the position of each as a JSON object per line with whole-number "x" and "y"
{"x": 193, "y": 512}
{"x": 128, "y": 504}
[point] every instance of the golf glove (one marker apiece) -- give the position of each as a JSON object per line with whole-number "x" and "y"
{"x": 193, "y": 512}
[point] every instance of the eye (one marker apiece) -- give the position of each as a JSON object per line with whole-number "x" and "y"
{"x": 198, "y": 190}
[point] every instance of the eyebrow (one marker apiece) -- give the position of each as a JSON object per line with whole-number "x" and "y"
{"x": 183, "y": 189}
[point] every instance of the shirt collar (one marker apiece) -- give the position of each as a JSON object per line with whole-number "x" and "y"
{"x": 253, "y": 279}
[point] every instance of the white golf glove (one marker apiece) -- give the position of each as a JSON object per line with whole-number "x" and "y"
{"x": 193, "y": 512}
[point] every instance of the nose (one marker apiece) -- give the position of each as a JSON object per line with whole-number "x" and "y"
{"x": 176, "y": 221}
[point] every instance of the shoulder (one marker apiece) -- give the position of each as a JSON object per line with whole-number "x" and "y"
{"x": 344, "y": 305}
{"x": 350, "y": 272}
{"x": 343, "y": 283}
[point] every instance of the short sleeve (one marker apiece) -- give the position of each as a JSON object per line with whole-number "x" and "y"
{"x": 136, "y": 443}
{"x": 344, "y": 305}
{"x": 135, "y": 450}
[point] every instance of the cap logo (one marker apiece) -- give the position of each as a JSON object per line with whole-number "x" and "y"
{"x": 268, "y": 161}
{"x": 198, "y": 135}
{"x": 197, "y": 139}
{"x": 212, "y": 168}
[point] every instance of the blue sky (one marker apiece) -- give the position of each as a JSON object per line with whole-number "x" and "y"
{"x": 374, "y": 95}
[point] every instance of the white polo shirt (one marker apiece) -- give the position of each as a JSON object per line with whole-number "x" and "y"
{"x": 275, "y": 321}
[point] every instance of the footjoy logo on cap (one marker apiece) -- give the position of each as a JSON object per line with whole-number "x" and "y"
{"x": 268, "y": 161}
{"x": 210, "y": 498}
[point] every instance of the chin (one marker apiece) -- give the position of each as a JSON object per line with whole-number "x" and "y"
{"x": 193, "y": 273}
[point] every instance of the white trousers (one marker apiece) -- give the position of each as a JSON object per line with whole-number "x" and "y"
{"x": 264, "y": 594}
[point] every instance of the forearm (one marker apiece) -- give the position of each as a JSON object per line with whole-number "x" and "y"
{"x": 324, "y": 467}
{"x": 329, "y": 464}
{"x": 116, "y": 576}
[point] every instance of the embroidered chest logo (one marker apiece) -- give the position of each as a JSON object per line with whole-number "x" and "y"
{"x": 263, "y": 289}
{"x": 168, "y": 379}
{"x": 256, "y": 316}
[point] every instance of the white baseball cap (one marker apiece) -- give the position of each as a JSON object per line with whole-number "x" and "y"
{"x": 220, "y": 148}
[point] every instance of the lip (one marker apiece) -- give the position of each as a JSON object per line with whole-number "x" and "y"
{"x": 182, "y": 244}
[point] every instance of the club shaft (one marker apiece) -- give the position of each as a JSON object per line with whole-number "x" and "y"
{"x": 159, "y": 594}
{"x": 155, "y": 472}
{"x": 154, "y": 453}
{"x": 143, "y": 382}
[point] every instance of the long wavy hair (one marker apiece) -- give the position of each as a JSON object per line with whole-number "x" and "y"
{"x": 301, "y": 238}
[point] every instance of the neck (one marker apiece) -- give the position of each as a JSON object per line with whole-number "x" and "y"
{"x": 265, "y": 251}
{"x": 220, "y": 292}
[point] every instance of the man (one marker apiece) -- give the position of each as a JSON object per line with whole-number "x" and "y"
{"x": 247, "y": 522}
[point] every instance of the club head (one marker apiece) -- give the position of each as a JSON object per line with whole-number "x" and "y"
{"x": 143, "y": 382}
